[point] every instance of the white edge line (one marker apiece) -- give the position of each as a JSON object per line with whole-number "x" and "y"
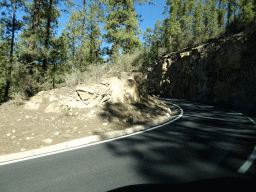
{"x": 248, "y": 163}
{"x": 251, "y": 158}
{"x": 94, "y": 143}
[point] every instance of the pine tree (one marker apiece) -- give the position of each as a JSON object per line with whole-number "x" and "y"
{"x": 164, "y": 34}
{"x": 4, "y": 59}
{"x": 84, "y": 31}
{"x": 122, "y": 27}
{"x": 83, "y": 14}
{"x": 11, "y": 25}
{"x": 221, "y": 12}
{"x": 147, "y": 36}
{"x": 174, "y": 25}
{"x": 185, "y": 15}
{"x": 95, "y": 17}
{"x": 213, "y": 24}
{"x": 198, "y": 28}
{"x": 157, "y": 37}
{"x": 206, "y": 20}
{"x": 33, "y": 37}
{"x": 232, "y": 7}
{"x": 247, "y": 10}
{"x": 48, "y": 13}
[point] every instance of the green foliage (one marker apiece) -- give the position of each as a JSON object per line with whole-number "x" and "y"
{"x": 76, "y": 56}
{"x": 65, "y": 110}
{"x": 122, "y": 27}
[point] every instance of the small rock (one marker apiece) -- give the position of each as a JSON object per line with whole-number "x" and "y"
{"x": 67, "y": 135}
{"x": 53, "y": 118}
{"x": 18, "y": 119}
{"x": 22, "y": 149}
{"x": 13, "y": 131}
{"x": 134, "y": 119}
{"x": 75, "y": 127}
{"x": 13, "y": 137}
{"x": 57, "y": 133}
{"x": 48, "y": 141}
{"x": 104, "y": 124}
{"x": 26, "y": 116}
{"x": 76, "y": 113}
{"x": 115, "y": 119}
{"x": 92, "y": 112}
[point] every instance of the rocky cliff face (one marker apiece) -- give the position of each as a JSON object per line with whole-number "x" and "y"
{"x": 222, "y": 70}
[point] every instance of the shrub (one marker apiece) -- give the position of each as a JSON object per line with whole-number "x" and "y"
{"x": 162, "y": 51}
{"x": 65, "y": 110}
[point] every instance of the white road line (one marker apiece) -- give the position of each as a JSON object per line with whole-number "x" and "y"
{"x": 252, "y": 157}
{"x": 248, "y": 163}
{"x": 250, "y": 160}
{"x": 252, "y": 120}
{"x": 90, "y": 144}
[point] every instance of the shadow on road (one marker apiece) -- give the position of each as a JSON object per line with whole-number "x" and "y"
{"x": 205, "y": 143}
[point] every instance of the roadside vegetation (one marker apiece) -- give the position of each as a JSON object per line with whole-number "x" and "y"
{"x": 38, "y": 60}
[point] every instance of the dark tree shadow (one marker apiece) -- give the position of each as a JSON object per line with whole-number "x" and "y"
{"x": 203, "y": 144}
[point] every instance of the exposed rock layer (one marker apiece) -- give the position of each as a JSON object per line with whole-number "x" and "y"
{"x": 222, "y": 70}
{"x": 117, "y": 98}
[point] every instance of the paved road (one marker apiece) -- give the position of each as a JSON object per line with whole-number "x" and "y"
{"x": 204, "y": 143}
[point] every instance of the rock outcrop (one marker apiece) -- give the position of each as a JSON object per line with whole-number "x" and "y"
{"x": 113, "y": 99}
{"x": 222, "y": 70}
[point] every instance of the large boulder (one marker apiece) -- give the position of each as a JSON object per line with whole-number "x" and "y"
{"x": 113, "y": 98}
{"x": 113, "y": 89}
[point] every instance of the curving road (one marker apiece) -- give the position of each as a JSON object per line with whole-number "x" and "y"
{"x": 204, "y": 142}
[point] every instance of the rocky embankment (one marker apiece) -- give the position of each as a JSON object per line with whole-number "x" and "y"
{"x": 221, "y": 70}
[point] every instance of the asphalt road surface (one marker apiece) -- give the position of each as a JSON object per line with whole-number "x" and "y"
{"x": 205, "y": 142}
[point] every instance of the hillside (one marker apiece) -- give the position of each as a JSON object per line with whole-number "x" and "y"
{"x": 221, "y": 70}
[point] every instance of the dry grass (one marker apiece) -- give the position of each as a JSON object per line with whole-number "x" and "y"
{"x": 95, "y": 72}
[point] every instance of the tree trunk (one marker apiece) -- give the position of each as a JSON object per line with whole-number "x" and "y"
{"x": 31, "y": 42}
{"x": 229, "y": 13}
{"x": 48, "y": 27}
{"x": 83, "y": 21}
{"x": 53, "y": 81}
{"x": 9, "y": 70}
{"x": 73, "y": 51}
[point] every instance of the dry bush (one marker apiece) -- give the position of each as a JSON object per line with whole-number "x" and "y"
{"x": 72, "y": 79}
{"x": 127, "y": 62}
{"x": 218, "y": 32}
{"x": 162, "y": 51}
{"x": 94, "y": 73}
